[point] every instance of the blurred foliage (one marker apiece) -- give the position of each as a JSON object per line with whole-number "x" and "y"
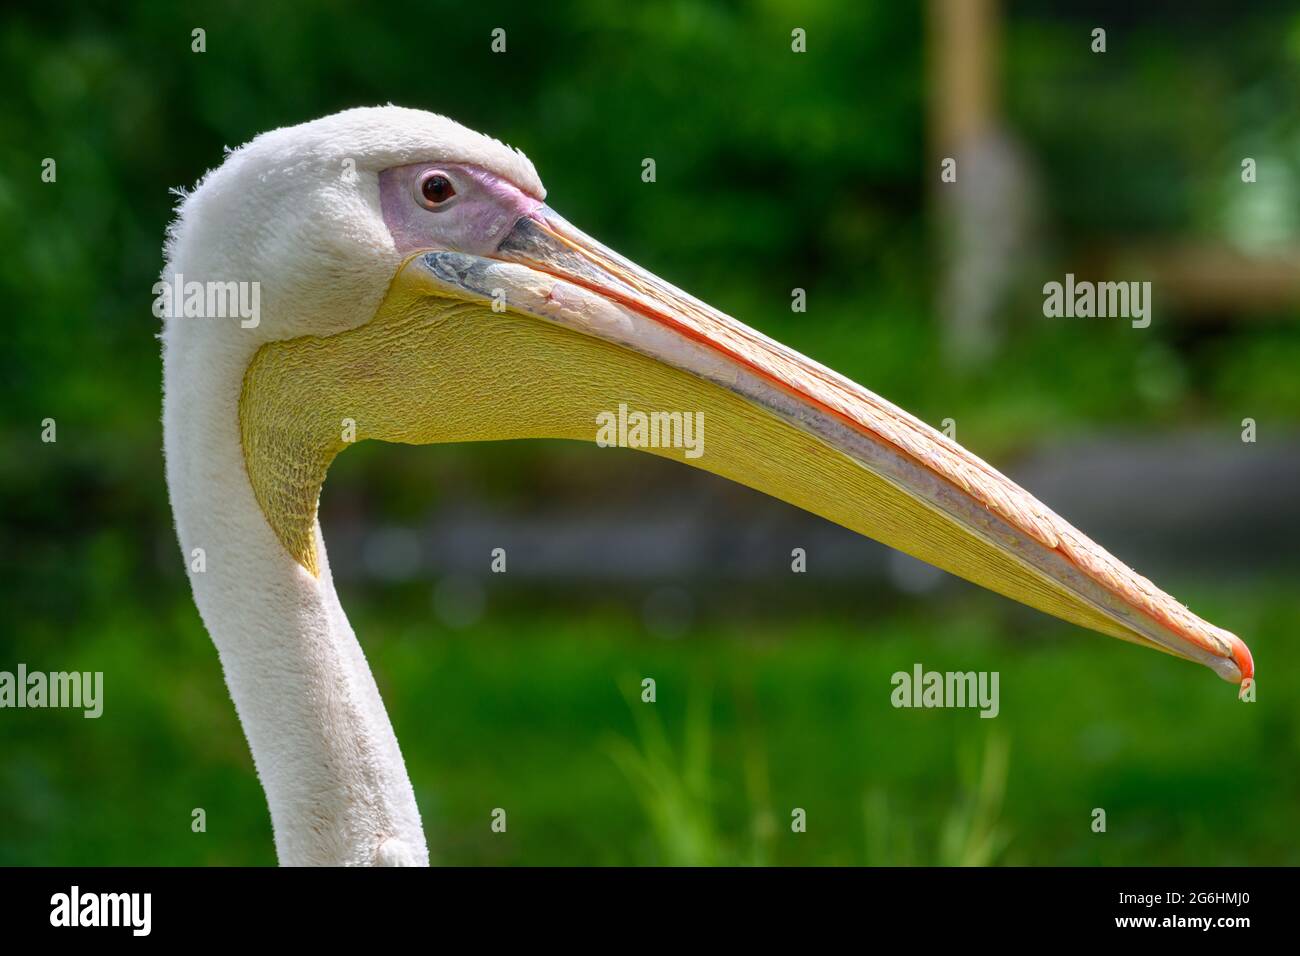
{"x": 530, "y": 711}
{"x": 774, "y": 170}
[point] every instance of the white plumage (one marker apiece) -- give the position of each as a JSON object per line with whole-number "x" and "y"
{"x": 296, "y": 210}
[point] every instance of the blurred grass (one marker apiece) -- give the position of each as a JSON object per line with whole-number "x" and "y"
{"x": 539, "y": 713}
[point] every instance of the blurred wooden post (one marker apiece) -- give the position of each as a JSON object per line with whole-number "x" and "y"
{"x": 985, "y": 215}
{"x": 965, "y": 48}
{"x": 1203, "y": 279}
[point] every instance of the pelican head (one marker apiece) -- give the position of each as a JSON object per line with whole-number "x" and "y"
{"x": 416, "y": 287}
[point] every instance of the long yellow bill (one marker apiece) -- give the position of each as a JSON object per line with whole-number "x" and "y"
{"x": 555, "y": 332}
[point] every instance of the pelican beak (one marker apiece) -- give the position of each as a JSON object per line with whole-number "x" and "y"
{"x": 553, "y": 333}
{"x": 963, "y": 515}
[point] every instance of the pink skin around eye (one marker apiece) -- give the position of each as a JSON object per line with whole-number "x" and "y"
{"x": 475, "y": 220}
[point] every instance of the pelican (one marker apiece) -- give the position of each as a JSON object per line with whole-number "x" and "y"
{"x": 415, "y": 287}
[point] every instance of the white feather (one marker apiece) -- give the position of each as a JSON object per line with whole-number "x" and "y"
{"x": 286, "y": 212}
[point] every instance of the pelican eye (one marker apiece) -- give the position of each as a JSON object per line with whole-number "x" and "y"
{"x": 435, "y": 189}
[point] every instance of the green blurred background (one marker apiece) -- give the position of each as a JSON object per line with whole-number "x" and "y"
{"x": 774, "y": 170}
